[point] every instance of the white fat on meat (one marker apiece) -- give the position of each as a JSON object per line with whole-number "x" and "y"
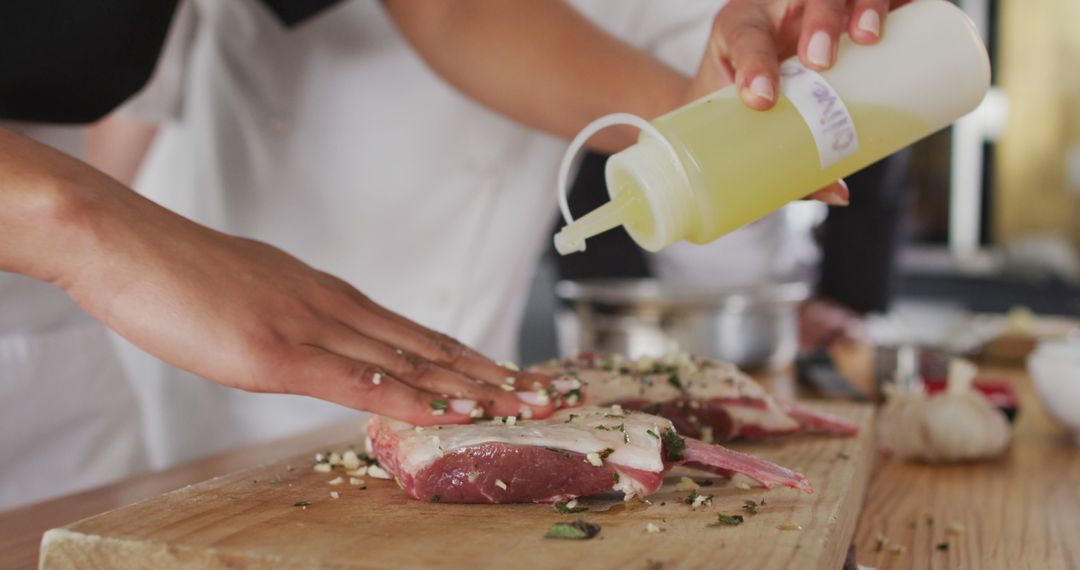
{"x": 578, "y": 430}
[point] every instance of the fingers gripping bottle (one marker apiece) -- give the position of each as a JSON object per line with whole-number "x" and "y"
{"x": 714, "y": 165}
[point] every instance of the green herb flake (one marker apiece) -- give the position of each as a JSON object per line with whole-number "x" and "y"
{"x": 562, "y": 508}
{"x": 435, "y": 498}
{"x": 626, "y": 438}
{"x": 615, "y": 476}
{"x": 673, "y": 445}
{"x": 302, "y": 504}
{"x": 727, "y": 520}
{"x": 653, "y": 408}
{"x": 942, "y": 546}
{"x": 652, "y": 434}
{"x": 605, "y": 453}
{"x": 440, "y": 405}
{"x": 577, "y": 530}
{"x": 674, "y": 381}
{"x": 843, "y": 456}
{"x": 571, "y": 418}
{"x": 276, "y": 480}
{"x": 750, "y": 507}
{"x": 368, "y": 459}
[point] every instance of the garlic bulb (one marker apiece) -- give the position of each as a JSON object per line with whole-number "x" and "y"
{"x": 956, "y": 425}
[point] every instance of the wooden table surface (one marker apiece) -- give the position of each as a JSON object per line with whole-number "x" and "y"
{"x": 1021, "y": 511}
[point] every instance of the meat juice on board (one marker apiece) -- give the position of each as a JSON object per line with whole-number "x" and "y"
{"x": 714, "y": 165}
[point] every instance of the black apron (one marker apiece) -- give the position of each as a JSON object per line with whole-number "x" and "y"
{"x": 74, "y": 61}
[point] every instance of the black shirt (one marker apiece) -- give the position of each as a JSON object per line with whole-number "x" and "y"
{"x": 74, "y": 61}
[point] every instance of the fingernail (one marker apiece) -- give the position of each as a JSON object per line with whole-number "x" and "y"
{"x": 835, "y": 200}
{"x": 564, "y": 385}
{"x": 762, "y": 87}
{"x": 819, "y": 50}
{"x": 870, "y": 22}
{"x": 464, "y": 407}
{"x": 538, "y": 398}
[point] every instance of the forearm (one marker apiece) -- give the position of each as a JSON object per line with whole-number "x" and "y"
{"x": 540, "y": 63}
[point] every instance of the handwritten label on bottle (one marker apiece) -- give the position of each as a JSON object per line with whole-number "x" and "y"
{"x": 824, "y": 112}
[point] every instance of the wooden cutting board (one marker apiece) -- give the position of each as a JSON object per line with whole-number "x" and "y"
{"x": 248, "y": 520}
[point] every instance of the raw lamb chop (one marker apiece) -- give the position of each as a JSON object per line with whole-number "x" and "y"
{"x": 574, "y": 453}
{"x": 710, "y": 400}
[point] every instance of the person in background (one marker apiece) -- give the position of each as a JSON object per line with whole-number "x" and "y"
{"x": 250, "y": 316}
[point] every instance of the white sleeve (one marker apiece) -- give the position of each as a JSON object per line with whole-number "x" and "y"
{"x": 161, "y": 99}
{"x": 673, "y": 31}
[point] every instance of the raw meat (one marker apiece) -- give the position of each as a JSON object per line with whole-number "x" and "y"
{"x": 575, "y": 452}
{"x": 710, "y": 400}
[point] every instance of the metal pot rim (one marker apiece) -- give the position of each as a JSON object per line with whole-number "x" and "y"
{"x": 656, "y": 294}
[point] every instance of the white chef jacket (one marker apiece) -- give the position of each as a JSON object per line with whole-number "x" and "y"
{"x": 335, "y": 142}
{"x": 68, "y": 419}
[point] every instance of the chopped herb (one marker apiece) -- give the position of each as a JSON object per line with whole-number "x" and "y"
{"x": 435, "y": 498}
{"x": 653, "y": 409}
{"x": 602, "y": 428}
{"x": 610, "y": 415}
{"x": 626, "y": 438}
{"x": 571, "y": 418}
{"x": 652, "y": 433}
{"x": 707, "y": 483}
{"x": 605, "y": 453}
{"x": 843, "y": 456}
{"x": 674, "y": 381}
{"x": 615, "y": 476}
{"x": 879, "y": 542}
{"x": 440, "y": 405}
{"x": 302, "y": 504}
{"x": 654, "y": 565}
{"x": 913, "y": 524}
{"x": 563, "y": 508}
{"x": 673, "y": 445}
{"x": 368, "y": 459}
{"x": 276, "y": 480}
{"x": 750, "y": 507}
{"x": 573, "y": 396}
{"x": 727, "y": 520}
{"x": 577, "y": 530}
{"x": 943, "y": 546}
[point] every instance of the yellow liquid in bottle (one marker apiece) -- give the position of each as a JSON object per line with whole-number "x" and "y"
{"x": 744, "y": 164}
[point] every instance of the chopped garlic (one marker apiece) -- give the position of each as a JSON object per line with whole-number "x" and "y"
{"x": 506, "y": 387}
{"x": 335, "y": 458}
{"x": 418, "y": 429}
{"x": 572, "y": 399}
{"x": 320, "y": 458}
{"x": 742, "y": 486}
{"x": 336, "y": 481}
{"x": 707, "y": 434}
{"x": 499, "y": 483}
{"x": 358, "y": 472}
{"x": 955, "y": 527}
{"x": 525, "y": 412}
{"x": 701, "y": 500}
{"x": 376, "y": 379}
{"x": 789, "y": 525}
{"x": 509, "y": 365}
{"x": 594, "y": 459}
{"x": 350, "y": 460}
{"x": 510, "y": 420}
{"x": 438, "y": 412}
{"x": 896, "y": 548}
{"x": 509, "y": 380}
{"x": 617, "y": 409}
{"x": 323, "y": 467}
{"x": 572, "y": 503}
{"x": 652, "y": 528}
{"x": 334, "y": 495}
{"x": 476, "y": 412}
{"x": 687, "y": 484}
{"x": 377, "y": 472}
{"x": 542, "y": 396}
{"x": 354, "y": 481}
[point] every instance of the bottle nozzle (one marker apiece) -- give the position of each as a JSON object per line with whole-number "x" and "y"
{"x": 571, "y": 239}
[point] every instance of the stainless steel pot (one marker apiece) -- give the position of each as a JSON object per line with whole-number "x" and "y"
{"x": 753, "y": 328}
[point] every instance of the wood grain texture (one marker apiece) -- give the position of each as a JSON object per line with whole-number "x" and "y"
{"x": 1020, "y": 511}
{"x": 246, "y": 521}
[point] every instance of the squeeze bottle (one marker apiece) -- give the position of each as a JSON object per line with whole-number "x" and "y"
{"x": 714, "y": 165}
